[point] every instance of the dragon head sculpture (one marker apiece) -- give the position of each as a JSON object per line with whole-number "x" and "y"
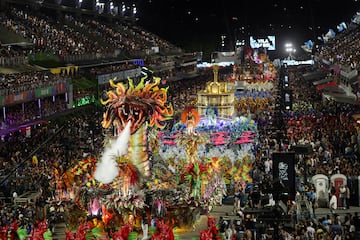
{"x": 138, "y": 104}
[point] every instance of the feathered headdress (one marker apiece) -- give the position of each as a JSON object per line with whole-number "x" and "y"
{"x": 190, "y": 112}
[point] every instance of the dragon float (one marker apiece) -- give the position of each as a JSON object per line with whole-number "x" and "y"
{"x": 126, "y": 182}
{"x": 139, "y": 107}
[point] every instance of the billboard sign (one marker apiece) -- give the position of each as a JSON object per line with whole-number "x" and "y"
{"x": 284, "y": 170}
{"x": 267, "y": 42}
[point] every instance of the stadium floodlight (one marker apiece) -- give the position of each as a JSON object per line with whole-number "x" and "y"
{"x": 134, "y": 9}
{"x": 290, "y": 49}
{"x": 123, "y": 8}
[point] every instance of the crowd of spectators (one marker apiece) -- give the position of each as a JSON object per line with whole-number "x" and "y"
{"x": 9, "y": 56}
{"x": 335, "y": 150}
{"x": 48, "y": 35}
{"x": 75, "y": 130}
{"x": 19, "y": 82}
{"x": 334, "y": 144}
{"x": 24, "y": 170}
{"x": 123, "y": 35}
{"x": 72, "y": 37}
{"x": 343, "y": 49}
{"x": 30, "y": 112}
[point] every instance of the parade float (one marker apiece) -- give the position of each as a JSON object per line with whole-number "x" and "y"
{"x": 151, "y": 179}
{"x": 215, "y": 138}
{"x": 222, "y": 146}
{"x": 109, "y": 195}
{"x": 256, "y": 67}
{"x": 253, "y": 83}
{"x": 219, "y": 95}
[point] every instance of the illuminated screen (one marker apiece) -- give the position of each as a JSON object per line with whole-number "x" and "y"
{"x": 267, "y": 42}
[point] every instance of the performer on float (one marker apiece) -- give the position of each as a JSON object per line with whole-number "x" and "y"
{"x": 190, "y": 123}
{"x": 191, "y": 139}
{"x": 211, "y": 113}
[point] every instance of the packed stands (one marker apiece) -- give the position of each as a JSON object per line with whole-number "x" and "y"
{"x": 334, "y": 144}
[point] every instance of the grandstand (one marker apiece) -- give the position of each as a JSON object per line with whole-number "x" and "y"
{"x": 65, "y": 56}
{"x": 66, "y": 53}
{"x": 58, "y": 60}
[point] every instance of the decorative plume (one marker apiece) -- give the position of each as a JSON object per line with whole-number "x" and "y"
{"x": 94, "y": 207}
{"x": 107, "y": 169}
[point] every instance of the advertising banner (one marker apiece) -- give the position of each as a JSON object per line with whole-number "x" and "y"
{"x": 26, "y": 96}
{"x": 50, "y": 91}
{"x": 104, "y": 78}
{"x": 44, "y": 92}
{"x": 17, "y": 98}
{"x": 284, "y": 171}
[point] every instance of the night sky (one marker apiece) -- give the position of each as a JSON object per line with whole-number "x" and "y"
{"x": 198, "y": 24}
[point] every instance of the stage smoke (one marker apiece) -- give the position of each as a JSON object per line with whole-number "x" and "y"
{"x": 107, "y": 169}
